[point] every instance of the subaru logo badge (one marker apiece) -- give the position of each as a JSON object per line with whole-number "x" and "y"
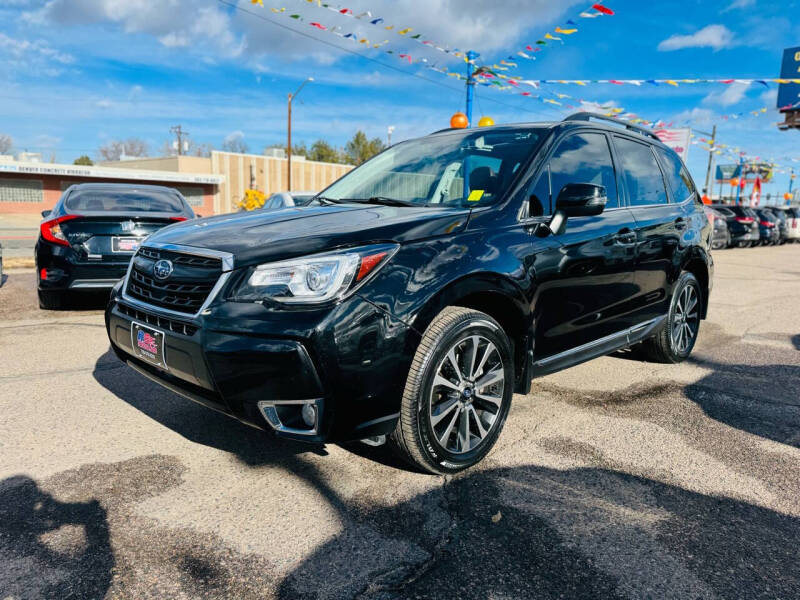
{"x": 162, "y": 269}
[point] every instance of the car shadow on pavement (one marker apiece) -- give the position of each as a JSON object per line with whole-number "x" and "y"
{"x": 51, "y": 549}
{"x": 193, "y": 421}
{"x": 523, "y": 531}
{"x": 531, "y": 531}
{"x": 759, "y": 399}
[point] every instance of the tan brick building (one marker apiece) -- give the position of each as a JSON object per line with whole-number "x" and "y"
{"x": 240, "y": 172}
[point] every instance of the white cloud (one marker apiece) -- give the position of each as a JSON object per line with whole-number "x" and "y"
{"x": 732, "y": 94}
{"x": 26, "y": 50}
{"x": 252, "y": 32}
{"x": 737, "y": 4}
{"x": 172, "y": 22}
{"x": 710, "y": 36}
{"x": 769, "y": 98}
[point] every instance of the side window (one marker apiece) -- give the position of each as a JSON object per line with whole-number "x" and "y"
{"x": 677, "y": 175}
{"x": 643, "y": 176}
{"x": 584, "y": 158}
{"x": 539, "y": 196}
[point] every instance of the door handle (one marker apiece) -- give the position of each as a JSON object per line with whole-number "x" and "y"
{"x": 680, "y": 223}
{"x": 625, "y": 238}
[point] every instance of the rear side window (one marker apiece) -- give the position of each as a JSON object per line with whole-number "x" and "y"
{"x": 677, "y": 175}
{"x": 642, "y": 174}
{"x": 584, "y": 158}
{"x": 132, "y": 200}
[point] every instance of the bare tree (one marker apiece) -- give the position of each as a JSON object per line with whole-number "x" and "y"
{"x": 6, "y": 143}
{"x": 115, "y": 149}
{"x": 234, "y": 142}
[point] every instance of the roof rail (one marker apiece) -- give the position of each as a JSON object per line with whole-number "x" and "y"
{"x": 587, "y": 116}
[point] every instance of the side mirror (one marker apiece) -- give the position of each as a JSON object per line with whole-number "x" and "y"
{"x": 581, "y": 200}
{"x": 46, "y": 213}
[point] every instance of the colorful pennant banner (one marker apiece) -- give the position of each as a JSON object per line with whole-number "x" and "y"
{"x": 570, "y": 27}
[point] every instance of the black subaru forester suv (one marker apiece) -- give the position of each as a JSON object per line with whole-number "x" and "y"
{"x": 426, "y": 286}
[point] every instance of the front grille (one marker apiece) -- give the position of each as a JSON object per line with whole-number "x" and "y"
{"x": 185, "y": 290}
{"x": 157, "y": 321}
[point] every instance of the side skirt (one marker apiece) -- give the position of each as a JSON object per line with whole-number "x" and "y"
{"x": 596, "y": 348}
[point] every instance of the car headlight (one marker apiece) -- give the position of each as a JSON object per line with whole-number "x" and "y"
{"x": 313, "y": 279}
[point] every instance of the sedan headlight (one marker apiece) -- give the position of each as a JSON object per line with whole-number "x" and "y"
{"x": 313, "y": 279}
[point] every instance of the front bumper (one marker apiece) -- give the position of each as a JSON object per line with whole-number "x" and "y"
{"x": 350, "y": 362}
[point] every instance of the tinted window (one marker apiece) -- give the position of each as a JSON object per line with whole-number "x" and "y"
{"x": 642, "y": 174}
{"x": 677, "y": 175}
{"x": 584, "y": 158}
{"x": 727, "y": 212}
{"x": 539, "y": 196}
{"x": 133, "y": 200}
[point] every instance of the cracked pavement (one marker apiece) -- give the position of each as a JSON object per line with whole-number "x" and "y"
{"x": 617, "y": 478}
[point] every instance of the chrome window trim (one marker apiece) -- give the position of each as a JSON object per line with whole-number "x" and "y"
{"x": 227, "y": 268}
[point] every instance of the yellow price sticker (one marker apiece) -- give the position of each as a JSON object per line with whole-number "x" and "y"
{"x": 475, "y": 195}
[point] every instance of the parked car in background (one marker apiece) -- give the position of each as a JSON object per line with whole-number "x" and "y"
{"x": 86, "y": 242}
{"x": 288, "y": 199}
{"x": 720, "y": 236}
{"x": 793, "y": 223}
{"x": 768, "y": 226}
{"x": 429, "y": 284}
{"x": 742, "y": 224}
{"x": 783, "y": 222}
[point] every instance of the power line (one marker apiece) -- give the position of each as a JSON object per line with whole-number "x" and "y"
{"x": 359, "y": 54}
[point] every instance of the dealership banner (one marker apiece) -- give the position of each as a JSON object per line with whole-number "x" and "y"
{"x": 677, "y": 139}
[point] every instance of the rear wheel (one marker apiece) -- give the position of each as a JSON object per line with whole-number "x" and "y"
{"x": 457, "y": 394}
{"x": 676, "y": 339}
{"x": 51, "y": 300}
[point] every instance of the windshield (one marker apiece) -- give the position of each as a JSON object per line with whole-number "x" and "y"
{"x": 467, "y": 168}
{"x": 303, "y": 200}
{"x": 132, "y": 200}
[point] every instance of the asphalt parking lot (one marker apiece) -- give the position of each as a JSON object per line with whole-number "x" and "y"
{"x": 617, "y": 478}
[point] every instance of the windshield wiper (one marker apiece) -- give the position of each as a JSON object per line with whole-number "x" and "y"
{"x": 383, "y": 200}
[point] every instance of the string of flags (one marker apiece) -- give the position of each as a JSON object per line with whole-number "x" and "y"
{"x": 570, "y": 27}
{"x": 499, "y": 76}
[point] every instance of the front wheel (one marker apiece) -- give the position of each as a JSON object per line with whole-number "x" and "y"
{"x": 458, "y": 392}
{"x": 676, "y": 339}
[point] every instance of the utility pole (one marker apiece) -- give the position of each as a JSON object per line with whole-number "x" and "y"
{"x": 389, "y": 132}
{"x": 471, "y": 56}
{"x": 740, "y": 183}
{"x": 711, "y": 159}
{"x": 179, "y": 133}
{"x": 289, "y": 136}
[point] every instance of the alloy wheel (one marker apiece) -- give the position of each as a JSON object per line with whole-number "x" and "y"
{"x": 685, "y": 319}
{"x": 467, "y": 394}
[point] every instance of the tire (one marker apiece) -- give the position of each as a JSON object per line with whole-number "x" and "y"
{"x": 425, "y": 431}
{"x": 667, "y": 346}
{"x": 51, "y": 300}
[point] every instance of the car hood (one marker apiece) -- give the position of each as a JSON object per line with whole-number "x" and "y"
{"x": 270, "y": 235}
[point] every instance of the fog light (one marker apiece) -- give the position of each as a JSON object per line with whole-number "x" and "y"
{"x": 309, "y": 414}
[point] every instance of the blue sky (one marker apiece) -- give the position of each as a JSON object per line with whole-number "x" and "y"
{"x": 78, "y": 73}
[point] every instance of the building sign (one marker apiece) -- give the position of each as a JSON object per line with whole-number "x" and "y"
{"x": 727, "y": 172}
{"x": 752, "y": 171}
{"x": 28, "y": 168}
{"x": 789, "y": 93}
{"x": 677, "y": 139}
